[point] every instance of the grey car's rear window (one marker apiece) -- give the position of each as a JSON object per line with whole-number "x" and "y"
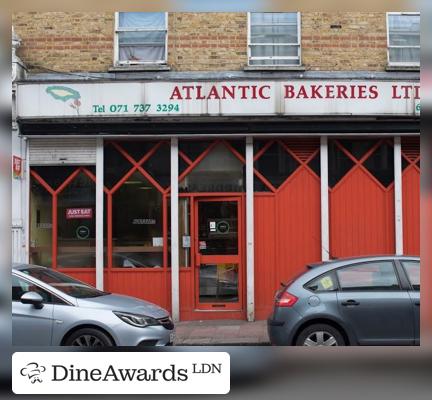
{"x": 64, "y": 283}
{"x": 324, "y": 283}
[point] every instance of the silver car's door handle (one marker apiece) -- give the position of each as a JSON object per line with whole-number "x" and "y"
{"x": 350, "y": 303}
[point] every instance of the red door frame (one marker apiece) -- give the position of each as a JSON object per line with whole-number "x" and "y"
{"x": 235, "y": 259}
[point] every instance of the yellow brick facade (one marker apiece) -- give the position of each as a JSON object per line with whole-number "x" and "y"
{"x": 84, "y": 42}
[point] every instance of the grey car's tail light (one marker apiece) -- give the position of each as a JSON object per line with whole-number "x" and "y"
{"x": 285, "y": 299}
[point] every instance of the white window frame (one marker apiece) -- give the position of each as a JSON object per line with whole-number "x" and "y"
{"x": 298, "y": 45}
{"x": 404, "y": 63}
{"x": 117, "y": 61}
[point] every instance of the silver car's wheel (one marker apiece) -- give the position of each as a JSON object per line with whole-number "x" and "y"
{"x": 87, "y": 341}
{"x": 320, "y": 335}
{"x": 88, "y": 337}
{"x": 320, "y": 338}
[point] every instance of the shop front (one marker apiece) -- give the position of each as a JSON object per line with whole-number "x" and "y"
{"x": 203, "y": 196}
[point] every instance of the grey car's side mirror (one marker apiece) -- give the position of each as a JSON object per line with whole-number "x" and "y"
{"x": 32, "y": 298}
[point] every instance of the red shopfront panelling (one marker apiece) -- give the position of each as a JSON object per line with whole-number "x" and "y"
{"x": 361, "y": 198}
{"x": 287, "y": 220}
{"x": 411, "y": 195}
{"x": 85, "y": 275}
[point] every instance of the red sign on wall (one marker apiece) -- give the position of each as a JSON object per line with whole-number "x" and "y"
{"x": 79, "y": 213}
{"x": 17, "y": 167}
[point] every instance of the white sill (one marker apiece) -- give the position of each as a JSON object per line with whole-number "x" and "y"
{"x": 138, "y": 67}
{"x": 274, "y": 68}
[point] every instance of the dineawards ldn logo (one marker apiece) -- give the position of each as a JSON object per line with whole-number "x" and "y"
{"x": 33, "y": 371}
{"x": 121, "y": 373}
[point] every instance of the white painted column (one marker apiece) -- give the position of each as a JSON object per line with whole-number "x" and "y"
{"x": 175, "y": 268}
{"x": 325, "y": 232}
{"x": 27, "y": 201}
{"x": 100, "y": 214}
{"x": 398, "y": 195}
{"x": 250, "y": 270}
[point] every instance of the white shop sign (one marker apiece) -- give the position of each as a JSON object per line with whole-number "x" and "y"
{"x": 221, "y": 98}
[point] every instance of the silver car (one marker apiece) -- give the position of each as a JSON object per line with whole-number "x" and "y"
{"x": 50, "y": 308}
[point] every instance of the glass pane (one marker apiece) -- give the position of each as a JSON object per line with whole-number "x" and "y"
{"x": 404, "y": 55}
{"x": 276, "y": 164}
{"x": 381, "y": 164}
{"x": 137, "y": 224}
{"x": 274, "y": 34}
{"x": 40, "y": 225}
{"x": 218, "y": 283}
{"x": 274, "y": 51}
{"x": 139, "y": 53}
{"x": 159, "y": 166}
{"x": 142, "y": 38}
{"x": 358, "y": 147}
{"x": 184, "y": 232}
{"x": 116, "y": 168}
{"x": 147, "y": 20}
{"x": 54, "y": 176}
{"x": 412, "y": 269}
{"x": 370, "y": 276}
{"x": 273, "y": 18}
{"x": 219, "y": 171}
{"x": 274, "y": 62}
{"x": 339, "y": 164}
{"x": 218, "y": 227}
{"x": 404, "y": 30}
{"x": 76, "y": 215}
{"x": 192, "y": 148}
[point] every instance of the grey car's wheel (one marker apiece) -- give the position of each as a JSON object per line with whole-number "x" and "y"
{"x": 88, "y": 337}
{"x": 320, "y": 335}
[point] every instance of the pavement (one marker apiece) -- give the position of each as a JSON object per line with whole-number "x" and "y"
{"x": 221, "y": 333}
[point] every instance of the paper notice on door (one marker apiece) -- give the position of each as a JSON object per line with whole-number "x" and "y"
{"x": 202, "y": 245}
{"x": 157, "y": 241}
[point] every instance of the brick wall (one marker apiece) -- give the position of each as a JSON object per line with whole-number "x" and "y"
{"x": 74, "y": 41}
{"x": 207, "y": 41}
{"x": 360, "y": 43}
{"x": 200, "y": 41}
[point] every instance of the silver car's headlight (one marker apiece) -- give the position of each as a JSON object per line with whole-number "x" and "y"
{"x": 140, "y": 321}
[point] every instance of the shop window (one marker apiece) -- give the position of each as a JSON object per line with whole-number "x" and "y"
{"x": 338, "y": 164}
{"x": 76, "y": 226}
{"x": 136, "y": 150}
{"x": 276, "y": 164}
{"x": 381, "y": 164}
{"x": 141, "y": 38}
{"x": 403, "y": 39}
{"x": 137, "y": 224}
{"x": 159, "y": 167}
{"x": 184, "y": 226}
{"x": 54, "y": 176}
{"x": 274, "y": 38}
{"x": 358, "y": 147}
{"x": 315, "y": 164}
{"x": 193, "y": 149}
{"x": 259, "y": 185}
{"x": 219, "y": 171}
{"x": 115, "y": 166}
{"x": 40, "y": 224}
{"x": 405, "y": 164}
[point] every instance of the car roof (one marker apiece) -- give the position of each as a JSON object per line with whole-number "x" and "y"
{"x": 347, "y": 260}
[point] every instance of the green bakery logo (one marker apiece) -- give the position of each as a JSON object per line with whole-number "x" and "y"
{"x": 66, "y": 94}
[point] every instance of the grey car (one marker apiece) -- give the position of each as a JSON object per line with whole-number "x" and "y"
{"x": 51, "y": 308}
{"x": 356, "y": 301}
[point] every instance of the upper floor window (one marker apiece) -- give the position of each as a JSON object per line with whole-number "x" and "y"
{"x": 403, "y": 39}
{"x": 274, "y": 38}
{"x": 140, "y": 38}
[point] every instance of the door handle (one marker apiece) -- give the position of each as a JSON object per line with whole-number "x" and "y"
{"x": 350, "y": 303}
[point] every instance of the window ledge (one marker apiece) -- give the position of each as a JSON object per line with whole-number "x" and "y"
{"x": 139, "y": 68}
{"x": 274, "y": 68}
{"x": 391, "y": 68}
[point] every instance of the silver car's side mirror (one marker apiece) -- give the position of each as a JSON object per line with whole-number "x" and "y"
{"x": 32, "y": 298}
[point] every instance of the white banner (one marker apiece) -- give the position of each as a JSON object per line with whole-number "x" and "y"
{"x": 234, "y": 98}
{"x": 121, "y": 373}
